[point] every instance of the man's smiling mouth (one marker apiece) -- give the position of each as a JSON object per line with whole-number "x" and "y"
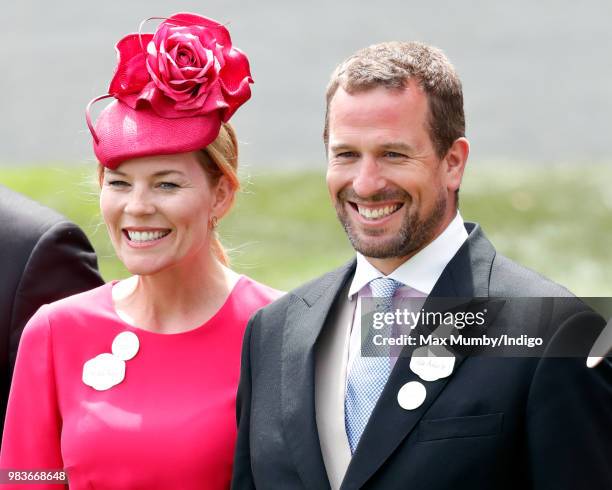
{"x": 376, "y": 212}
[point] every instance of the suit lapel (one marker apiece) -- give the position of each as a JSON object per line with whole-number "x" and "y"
{"x": 466, "y": 276}
{"x": 305, "y": 319}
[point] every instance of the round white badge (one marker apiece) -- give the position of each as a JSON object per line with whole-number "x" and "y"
{"x": 126, "y": 345}
{"x": 411, "y": 395}
{"x": 430, "y": 367}
{"x": 103, "y": 372}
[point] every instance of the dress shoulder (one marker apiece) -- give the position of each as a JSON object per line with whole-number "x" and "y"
{"x": 247, "y": 297}
{"x": 258, "y": 290}
{"x": 74, "y": 311}
{"x": 85, "y": 299}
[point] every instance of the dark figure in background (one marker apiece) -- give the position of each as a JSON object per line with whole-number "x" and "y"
{"x": 43, "y": 258}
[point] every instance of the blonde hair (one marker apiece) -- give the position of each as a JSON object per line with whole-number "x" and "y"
{"x": 219, "y": 158}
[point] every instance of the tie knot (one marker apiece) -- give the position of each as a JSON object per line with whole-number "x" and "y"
{"x": 383, "y": 287}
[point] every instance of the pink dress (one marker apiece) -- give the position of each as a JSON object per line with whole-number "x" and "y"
{"x": 170, "y": 424}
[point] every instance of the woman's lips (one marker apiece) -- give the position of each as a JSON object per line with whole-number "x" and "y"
{"x": 145, "y": 237}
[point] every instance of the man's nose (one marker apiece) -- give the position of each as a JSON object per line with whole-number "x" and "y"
{"x": 140, "y": 201}
{"x": 369, "y": 179}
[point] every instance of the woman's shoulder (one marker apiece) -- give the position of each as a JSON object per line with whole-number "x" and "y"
{"x": 70, "y": 318}
{"x": 82, "y": 306}
{"x": 86, "y": 300}
{"x": 257, "y": 291}
{"x": 249, "y": 295}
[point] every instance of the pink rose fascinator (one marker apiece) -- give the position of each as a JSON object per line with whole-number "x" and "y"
{"x": 173, "y": 90}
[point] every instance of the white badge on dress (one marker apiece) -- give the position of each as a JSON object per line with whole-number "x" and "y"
{"x": 125, "y": 346}
{"x": 432, "y": 366}
{"x": 411, "y": 395}
{"x": 103, "y": 372}
{"x": 107, "y": 370}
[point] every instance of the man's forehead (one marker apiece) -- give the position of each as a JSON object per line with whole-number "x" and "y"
{"x": 376, "y": 101}
{"x": 411, "y": 88}
{"x": 383, "y": 109}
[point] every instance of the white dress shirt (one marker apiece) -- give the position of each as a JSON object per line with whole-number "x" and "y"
{"x": 340, "y": 342}
{"x": 418, "y": 274}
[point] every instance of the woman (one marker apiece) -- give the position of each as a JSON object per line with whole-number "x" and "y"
{"x": 132, "y": 385}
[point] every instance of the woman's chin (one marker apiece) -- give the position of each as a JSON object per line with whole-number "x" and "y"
{"x": 144, "y": 269}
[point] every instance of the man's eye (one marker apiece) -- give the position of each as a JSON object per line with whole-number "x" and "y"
{"x": 347, "y": 154}
{"x": 118, "y": 183}
{"x": 394, "y": 154}
{"x": 167, "y": 185}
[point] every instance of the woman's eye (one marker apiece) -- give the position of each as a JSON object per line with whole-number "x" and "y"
{"x": 118, "y": 183}
{"x": 167, "y": 185}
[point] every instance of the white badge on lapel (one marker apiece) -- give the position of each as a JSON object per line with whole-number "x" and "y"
{"x": 411, "y": 395}
{"x": 107, "y": 370}
{"x": 432, "y": 366}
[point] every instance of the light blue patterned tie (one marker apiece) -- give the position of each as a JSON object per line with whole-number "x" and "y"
{"x": 368, "y": 375}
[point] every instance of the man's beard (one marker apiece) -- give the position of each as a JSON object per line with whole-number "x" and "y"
{"x": 415, "y": 231}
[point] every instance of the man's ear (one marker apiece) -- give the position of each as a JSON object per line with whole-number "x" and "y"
{"x": 456, "y": 159}
{"x": 224, "y": 194}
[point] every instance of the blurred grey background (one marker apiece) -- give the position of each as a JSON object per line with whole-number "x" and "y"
{"x": 536, "y": 74}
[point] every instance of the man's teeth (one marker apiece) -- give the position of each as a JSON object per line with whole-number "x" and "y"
{"x": 146, "y": 236}
{"x": 377, "y": 213}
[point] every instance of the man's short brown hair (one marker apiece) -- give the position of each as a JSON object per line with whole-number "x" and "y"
{"x": 391, "y": 65}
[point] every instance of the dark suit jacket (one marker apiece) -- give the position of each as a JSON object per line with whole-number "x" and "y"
{"x": 43, "y": 257}
{"x": 495, "y": 423}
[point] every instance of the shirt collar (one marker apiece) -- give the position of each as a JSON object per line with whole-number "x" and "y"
{"x": 422, "y": 270}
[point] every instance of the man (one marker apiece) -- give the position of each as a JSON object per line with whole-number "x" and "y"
{"x": 315, "y": 413}
{"x": 43, "y": 258}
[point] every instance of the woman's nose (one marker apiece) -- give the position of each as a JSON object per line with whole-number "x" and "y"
{"x": 140, "y": 202}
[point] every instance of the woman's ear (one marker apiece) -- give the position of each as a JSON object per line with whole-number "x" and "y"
{"x": 223, "y": 197}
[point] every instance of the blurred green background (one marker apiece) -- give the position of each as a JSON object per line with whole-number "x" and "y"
{"x": 283, "y": 230}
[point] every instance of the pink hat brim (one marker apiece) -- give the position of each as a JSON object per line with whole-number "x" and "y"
{"x": 124, "y": 133}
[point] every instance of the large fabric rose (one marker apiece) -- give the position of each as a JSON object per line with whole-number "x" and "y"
{"x": 187, "y": 68}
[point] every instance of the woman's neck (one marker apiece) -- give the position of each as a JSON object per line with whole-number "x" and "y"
{"x": 177, "y": 299}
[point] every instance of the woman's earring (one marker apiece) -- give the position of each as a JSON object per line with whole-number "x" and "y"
{"x": 213, "y": 222}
